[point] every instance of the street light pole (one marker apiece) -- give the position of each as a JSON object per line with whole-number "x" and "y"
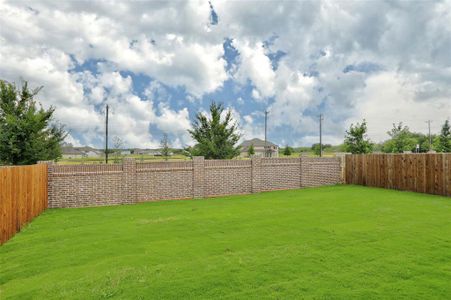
{"x": 320, "y": 135}
{"x": 266, "y": 127}
{"x": 430, "y": 138}
{"x": 106, "y": 135}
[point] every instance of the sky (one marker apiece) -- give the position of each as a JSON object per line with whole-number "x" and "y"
{"x": 158, "y": 64}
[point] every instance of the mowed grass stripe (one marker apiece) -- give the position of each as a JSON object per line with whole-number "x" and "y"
{"x": 329, "y": 242}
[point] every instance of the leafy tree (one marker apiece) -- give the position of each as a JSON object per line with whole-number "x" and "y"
{"x": 422, "y": 140}
{"x": 401, "y": 139}
{"x": 216, "y": 137}
{"x": 287, "y": 151}
{"x": 317, "y": 149}
{"x": 251, "y": 150}
{"x": 443, "y": 141}
{"x": 27, "y": 133}
{"x": 165, "y": 150}
{"x": 356, "y": 139}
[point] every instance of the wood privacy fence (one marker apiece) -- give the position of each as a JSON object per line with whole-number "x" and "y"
{"x": 424, "y": 173}
{"x": 23, "y": 196}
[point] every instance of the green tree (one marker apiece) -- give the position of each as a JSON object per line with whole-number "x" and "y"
{"x": 422, "y": 140}
{"x": 251, "y": 150}
{"x": 356, "y": 139}
{"x": 27, "y": 133}
{"x": 287, "y": 151}
{"x": 216, "y": 136}
{"x": 317, "y": 149}
{"x": 401, "y": 139}
{"x": 165, "y": 150}
{"x": 443, "y": 141}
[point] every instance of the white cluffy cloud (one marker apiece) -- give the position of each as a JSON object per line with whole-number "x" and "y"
{"x": 383, "y": 61}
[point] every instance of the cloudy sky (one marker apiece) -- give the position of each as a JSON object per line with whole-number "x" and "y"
{"x": 159, "y": 63}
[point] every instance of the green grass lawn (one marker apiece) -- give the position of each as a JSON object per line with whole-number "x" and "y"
{"x": 332, "y": 242}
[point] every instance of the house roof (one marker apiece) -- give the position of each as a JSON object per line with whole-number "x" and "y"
{"x": 78, "y": 150}
{"x": 71, "y": 151}
{"x": 257, "y": 143}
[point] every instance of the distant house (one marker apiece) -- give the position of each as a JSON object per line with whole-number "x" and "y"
{"x": 126, "y": 152}
{"x": 79, "y": 152}
{"x": 271, "y": 150}
{"x": 71, "y": 152}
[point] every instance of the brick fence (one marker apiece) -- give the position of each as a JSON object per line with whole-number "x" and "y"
{"x": 132, "y": 182}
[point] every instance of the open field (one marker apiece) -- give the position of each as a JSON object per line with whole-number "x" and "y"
{"x": 153, "y": 158}
{"x": 117, "y": 159}
{"x": 330, "y": 242}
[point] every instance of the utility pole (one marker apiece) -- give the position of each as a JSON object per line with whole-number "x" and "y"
{"x": 106, "y": 135}
{"x": 266, "y": 120}
{"x": 430, "y": 137}
{"x": 320, "y": 135}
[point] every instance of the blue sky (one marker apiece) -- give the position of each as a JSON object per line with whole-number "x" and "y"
{"x": 157, "y": 64}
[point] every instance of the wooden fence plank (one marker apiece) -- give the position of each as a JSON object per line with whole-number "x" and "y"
{"x": 425, "y": 173}
{"x": 23, "y": 196}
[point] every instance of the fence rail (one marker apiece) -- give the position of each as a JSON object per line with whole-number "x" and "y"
{"x": 23, "y": 196}
{"x": 424, "y": 173}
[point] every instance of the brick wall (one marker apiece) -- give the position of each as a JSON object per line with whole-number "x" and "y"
{"x": 320, "y": 171}
{"x": 164, "y": 180}
{"x": 280, "y": 174}
{"x": 131, "y": 182}
{"x": 225, "y": 177}
{"x": 86, "y": 185}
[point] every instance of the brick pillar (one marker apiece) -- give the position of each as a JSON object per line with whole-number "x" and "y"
{"x": 50, "y": 195}
{"x": 343, "y": 168}
{"x": 304, "y": 171}
{"x": 300, "y": 170}
{"x": 198, "y": 176}
{"x": 129, "y": 180}
{"x": 256, "y": 174}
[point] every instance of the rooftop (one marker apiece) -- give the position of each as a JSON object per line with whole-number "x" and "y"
{"x": 257, "y": 143}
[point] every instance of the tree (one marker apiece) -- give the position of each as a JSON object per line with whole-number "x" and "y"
{"x": 117, "y": 144}
{"x": 287, "y": 151}
{"x": 317, "y": 149}
{"x": 165, "y": 151}
{"x": 422, "y": 140}
{"x": 356, "y": 139}
{"x": 27, "y": 133}
{"x": 401, "y": 140}
{"x": 251, "y": 150}
{"x": 443, "y": 143}
{"x": 216, "y": 136}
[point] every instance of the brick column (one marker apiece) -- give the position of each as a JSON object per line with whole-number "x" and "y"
{"x": 256, "y": 174}
{"x": 198, "y": 176}
{"x": 301, "y": 171}
{"x": 342, "y": 158}
{"x": 304, "y": 171}
{"x": 129, "y": 180}
{"x": 50, "y": 195}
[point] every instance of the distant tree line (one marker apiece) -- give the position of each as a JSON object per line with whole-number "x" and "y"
{"x": 401, "y": 140}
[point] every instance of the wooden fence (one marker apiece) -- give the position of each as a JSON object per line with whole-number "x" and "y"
{"x": 424, "y": 173}
{"x": 23, "y": 196}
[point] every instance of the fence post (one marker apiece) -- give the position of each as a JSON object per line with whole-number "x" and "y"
{"x": 198, "y": 176}
{"x": 129, "y": 183}
{"x": 256, "y": 174}
{"x": 342, "y": 158}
